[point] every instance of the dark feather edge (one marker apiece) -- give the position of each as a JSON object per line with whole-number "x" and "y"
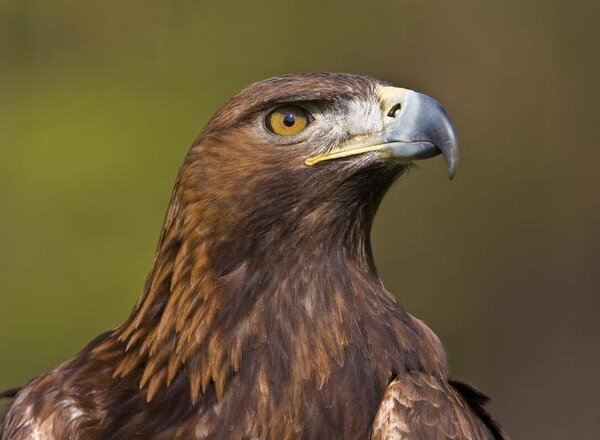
{"x": 477, "y": 401}
{"x": 10, "y": 393}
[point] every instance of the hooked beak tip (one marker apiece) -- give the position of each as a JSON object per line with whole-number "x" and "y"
{"x": 451, "y": 156}
{"x": 451, "y": 172}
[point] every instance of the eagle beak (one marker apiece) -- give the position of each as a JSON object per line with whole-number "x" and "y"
{"x": 418, "y": 128}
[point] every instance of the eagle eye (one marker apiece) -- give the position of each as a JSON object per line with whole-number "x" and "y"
{"x": 288, "y": 120}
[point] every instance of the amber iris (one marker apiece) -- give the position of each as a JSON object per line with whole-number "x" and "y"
{"x": 288, "y": 120}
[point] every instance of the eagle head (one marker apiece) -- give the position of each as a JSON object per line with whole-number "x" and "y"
{"x": 306, "y": 159}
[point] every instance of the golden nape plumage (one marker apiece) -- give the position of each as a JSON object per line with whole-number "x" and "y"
{"x": 264, "y": 316}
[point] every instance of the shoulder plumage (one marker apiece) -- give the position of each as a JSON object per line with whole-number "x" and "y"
{"x": 420, "y": 407}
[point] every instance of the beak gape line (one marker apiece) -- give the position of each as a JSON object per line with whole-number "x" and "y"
{"x": 420, "y": 129}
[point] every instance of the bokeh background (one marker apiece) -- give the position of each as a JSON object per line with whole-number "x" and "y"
{"x": 99, "y": 102}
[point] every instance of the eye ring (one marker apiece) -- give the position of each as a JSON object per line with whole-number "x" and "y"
{"x": 288, "y": 120}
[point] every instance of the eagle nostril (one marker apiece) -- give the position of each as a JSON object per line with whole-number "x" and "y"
{"x": 394, "y": 110}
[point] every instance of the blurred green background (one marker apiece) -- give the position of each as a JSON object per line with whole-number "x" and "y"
{"x": 99, "y": 102}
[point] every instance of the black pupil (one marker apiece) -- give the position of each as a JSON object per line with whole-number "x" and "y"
{"x": 289, "y": 120}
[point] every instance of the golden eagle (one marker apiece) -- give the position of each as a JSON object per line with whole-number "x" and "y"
{"x": 263, "y": 316}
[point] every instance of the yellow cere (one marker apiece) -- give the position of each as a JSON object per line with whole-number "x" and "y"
{"x": 288, "y": 120}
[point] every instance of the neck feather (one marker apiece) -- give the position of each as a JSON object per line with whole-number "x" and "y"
{"x": 210, "y": 300}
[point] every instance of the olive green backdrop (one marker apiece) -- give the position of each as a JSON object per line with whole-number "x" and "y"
{"x": 99, "y": 101}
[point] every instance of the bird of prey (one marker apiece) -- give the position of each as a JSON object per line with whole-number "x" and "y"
{"x": 263, "y": 316}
